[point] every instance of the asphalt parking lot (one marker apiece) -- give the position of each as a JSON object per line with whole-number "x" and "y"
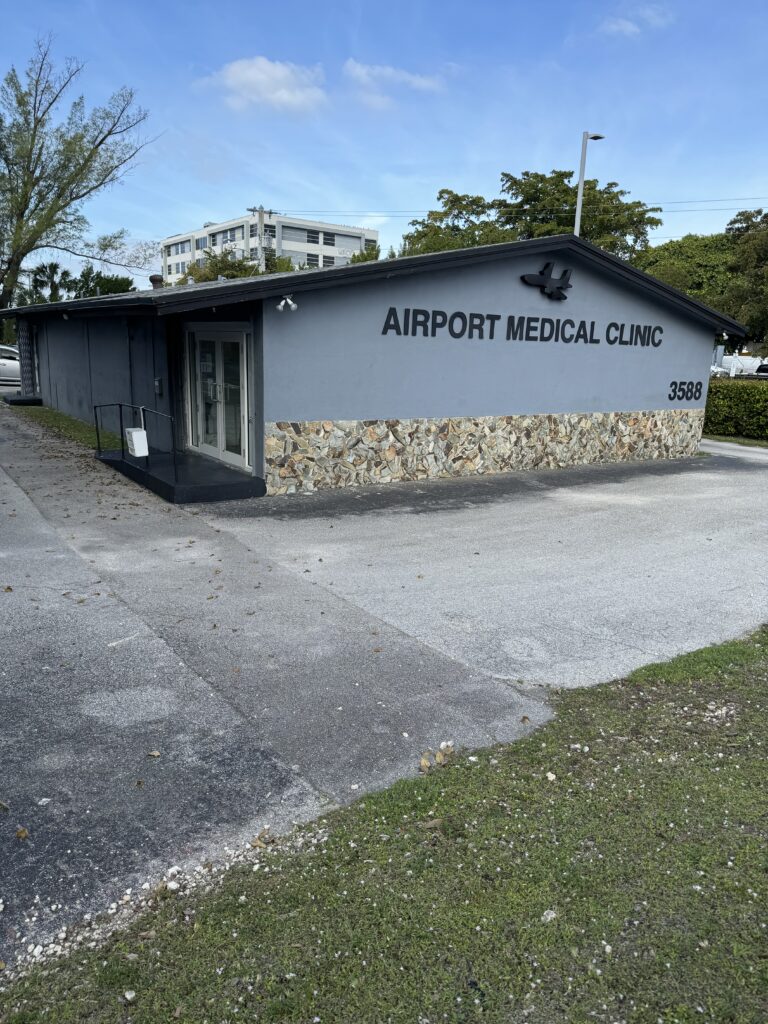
{"x": 286, "y": 655}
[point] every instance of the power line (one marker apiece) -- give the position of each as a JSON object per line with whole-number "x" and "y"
{"x": 658, "y": 202}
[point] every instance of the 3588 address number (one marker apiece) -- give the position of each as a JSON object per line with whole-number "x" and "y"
{"x": 685, "y": 390}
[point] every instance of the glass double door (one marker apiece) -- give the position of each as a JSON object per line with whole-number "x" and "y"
{"x": 218, "y": 395}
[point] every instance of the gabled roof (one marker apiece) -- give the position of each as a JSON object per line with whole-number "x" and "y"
{"x": 191, "y": 297}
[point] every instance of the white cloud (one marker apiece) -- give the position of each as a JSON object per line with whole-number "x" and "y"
{"x": 641, "y": 18}
{"x": 620, "y": 27}
{"x": 655, "y": 16}
{"x": 374, "y": 79}
{"x": 258, "y": 81}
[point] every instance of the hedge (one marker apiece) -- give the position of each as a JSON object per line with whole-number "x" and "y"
{"x": 737, "y": 408}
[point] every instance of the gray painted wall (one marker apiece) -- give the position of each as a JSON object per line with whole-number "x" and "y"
{"x": 93, "y": 361}
{"x": 329, "y": 360}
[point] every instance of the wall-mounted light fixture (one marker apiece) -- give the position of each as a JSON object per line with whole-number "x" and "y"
{"x": 286, "y": 303}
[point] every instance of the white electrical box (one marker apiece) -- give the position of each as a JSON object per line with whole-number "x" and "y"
{"x": 136, "y": 439}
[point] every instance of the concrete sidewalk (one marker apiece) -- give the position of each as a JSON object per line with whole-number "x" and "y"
{"x": 730, "y": 450}
{"x": 286, "y": 655}
{"x": 134, "y": 626}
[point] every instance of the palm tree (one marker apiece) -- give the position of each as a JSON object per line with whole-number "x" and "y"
{"x": 49, "y": 283}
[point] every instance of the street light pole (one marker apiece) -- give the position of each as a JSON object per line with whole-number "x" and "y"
{"x": 585, "y": 138}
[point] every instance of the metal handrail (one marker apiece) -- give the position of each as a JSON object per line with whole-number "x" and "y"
{"x": 142, "y": 410}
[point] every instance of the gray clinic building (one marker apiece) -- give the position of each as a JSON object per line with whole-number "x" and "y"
{"x": 524, "y": 355}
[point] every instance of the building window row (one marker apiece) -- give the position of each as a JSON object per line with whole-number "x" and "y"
{"x": 312, "y": 236}
{"x": 178, "y": 248}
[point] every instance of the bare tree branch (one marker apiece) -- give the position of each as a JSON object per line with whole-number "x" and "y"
{"x": 53, "y": 159}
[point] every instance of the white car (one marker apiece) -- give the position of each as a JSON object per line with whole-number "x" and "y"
{"x": 10, "y": 367}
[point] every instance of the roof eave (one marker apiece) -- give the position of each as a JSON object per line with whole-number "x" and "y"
{"x": 168, "y": 301}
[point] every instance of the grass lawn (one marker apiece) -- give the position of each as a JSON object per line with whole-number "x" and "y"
{"x": 750, "y": 442}
{"x": 67, "y": 426}
{"x": 610, "y": 867}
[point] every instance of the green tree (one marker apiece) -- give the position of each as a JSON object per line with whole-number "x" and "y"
{"x": 46, "y": 282}
{"x": 51, "y": 281}
{"x": 52, "y": 160}
{"x": 366, "y": 255}
{"x": 92, "y": 282}
{"x": 747, "y": 295}
{"x": 535, "y": 205}
{"x": 727, "y": 270}
{"x": 274, "y": 264}
{"x": 225, "y": 264}
{"x": 700, "y": 265}
{"x": 464, "y": 221}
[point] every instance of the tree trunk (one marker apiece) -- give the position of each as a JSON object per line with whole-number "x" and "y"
{"x": 10, "y": 280}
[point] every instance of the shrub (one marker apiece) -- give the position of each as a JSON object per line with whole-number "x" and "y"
{"x": 737, "y": 408}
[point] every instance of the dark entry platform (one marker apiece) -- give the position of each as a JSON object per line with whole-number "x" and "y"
{"x": 19, "y": 399}
{"x": 187, "y": 478}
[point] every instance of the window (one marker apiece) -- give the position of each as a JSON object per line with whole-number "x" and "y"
{"x": 231, "y": 235}
{"x": 329, "y": 238}
{"x": 253, "y": 231}
{"x": 199, "y": 262}
{"x": 167, "y": 250}
{"x": 313, "y": 237}
{"x": 213, "y": 239}
{"x": 294, "y": 234}
{"x": 253, "y": 251}
{"x": 328, "y": 261}
{"x": 200, "y": 243}
{"x": 183, "y": 266}
{"x": 313, "y": 260}
{"x": 370, "y": 243}
{"x": 270, "y": 231}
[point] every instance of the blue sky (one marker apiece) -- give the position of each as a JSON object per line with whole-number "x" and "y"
{"x": 359, "y": 111}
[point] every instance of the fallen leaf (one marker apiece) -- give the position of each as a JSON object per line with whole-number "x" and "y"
{"x": 8, "y": 589}
{"x": 154, "y": 753}
{"x": 424, "y": 763}
{"x": 440, "y": 757}
{"x": 431, "y": 823}
{"x": 22, "y": 833}
{"x": 525, "y": 719}
{"x": 4, "y": 806}
{"x": 377, "y": 650}
{"x": 258, "y": 844}
{"x": 177, "y": 1012}
{"x": 139, "y": 783}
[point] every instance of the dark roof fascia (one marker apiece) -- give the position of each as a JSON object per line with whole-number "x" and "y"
{"x": 262, "y": 288}
{"x": 170, "y": 301}
{"x": 90, "y": 307}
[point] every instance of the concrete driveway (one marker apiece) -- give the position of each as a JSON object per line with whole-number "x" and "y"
{"x": 560, "y": 578}
{"x": 286, "y": 655}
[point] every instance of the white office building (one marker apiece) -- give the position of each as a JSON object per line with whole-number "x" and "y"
{"x": 310, "y": 243}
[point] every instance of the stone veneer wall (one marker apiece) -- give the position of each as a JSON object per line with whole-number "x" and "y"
{"x": 340, "y": 453}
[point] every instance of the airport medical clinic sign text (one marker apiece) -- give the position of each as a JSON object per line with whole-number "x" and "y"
{"x": 432, "y": 323}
